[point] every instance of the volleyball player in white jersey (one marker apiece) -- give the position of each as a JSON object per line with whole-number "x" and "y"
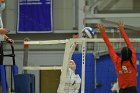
{"x": 73, "y": 81}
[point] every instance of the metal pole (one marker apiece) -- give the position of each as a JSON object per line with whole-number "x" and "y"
{"x": 25, "y": 56}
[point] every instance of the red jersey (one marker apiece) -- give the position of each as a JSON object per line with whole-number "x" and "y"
{"x": 126, "y": 73}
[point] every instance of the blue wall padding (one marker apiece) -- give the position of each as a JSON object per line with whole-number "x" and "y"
{"x": 3, "y": 78}
{"x": 138, "y": 78}
{"x": 89, "y": 79}
{"x": 105, "y": 72}
{"x": 24, "y": 83}
{"x": 14, "y": 70}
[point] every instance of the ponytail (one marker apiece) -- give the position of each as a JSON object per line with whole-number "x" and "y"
{"x": 126, "y": 56}
{"x": 130, "y": 60}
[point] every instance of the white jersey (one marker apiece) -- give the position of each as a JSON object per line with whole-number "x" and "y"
{"x": 73, "y": 82}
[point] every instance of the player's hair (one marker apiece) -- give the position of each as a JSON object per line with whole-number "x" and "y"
{"x": 126, "y": 55}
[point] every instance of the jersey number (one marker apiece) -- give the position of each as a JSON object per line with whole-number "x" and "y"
{"x": 124, "y": 69}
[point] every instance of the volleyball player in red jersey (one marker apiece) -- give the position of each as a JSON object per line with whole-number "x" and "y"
{"x": 125, "y": 65}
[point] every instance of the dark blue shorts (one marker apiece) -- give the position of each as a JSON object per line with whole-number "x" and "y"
{"x": 129, "y": 90}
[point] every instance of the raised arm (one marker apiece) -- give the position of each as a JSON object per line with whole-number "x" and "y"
{"x": 124, "y": 35}
{"x": 111, "y": 50}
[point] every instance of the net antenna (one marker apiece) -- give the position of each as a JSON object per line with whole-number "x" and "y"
{"x": 69, "y": 50}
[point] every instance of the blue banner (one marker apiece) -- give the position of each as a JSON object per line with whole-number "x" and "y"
{"x": 35, "y": 16}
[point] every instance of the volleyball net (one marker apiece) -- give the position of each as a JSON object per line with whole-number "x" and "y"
{"x": 98, "y": 49}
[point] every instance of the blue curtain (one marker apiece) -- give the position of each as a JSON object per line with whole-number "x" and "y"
{"x": 35, "y": 16}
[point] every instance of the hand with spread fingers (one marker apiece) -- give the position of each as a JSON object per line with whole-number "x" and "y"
{"x": 101, "y": 27}
{"x": 120, "y": 25}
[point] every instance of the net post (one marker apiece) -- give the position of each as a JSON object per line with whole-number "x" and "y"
{"x": 25, "y": 56}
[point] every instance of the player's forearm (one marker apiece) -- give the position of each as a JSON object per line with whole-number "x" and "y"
{"x": 124, "y": 35}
